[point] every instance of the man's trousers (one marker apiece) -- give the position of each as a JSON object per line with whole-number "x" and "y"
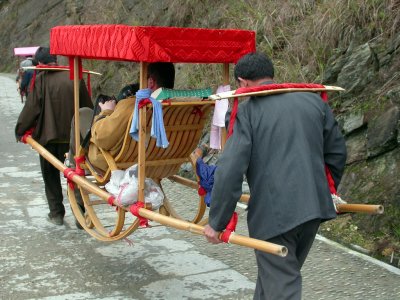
{"x": 279, "y": 278}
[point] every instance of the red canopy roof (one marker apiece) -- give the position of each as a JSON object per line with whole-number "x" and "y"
{"x": 152, "y": 44}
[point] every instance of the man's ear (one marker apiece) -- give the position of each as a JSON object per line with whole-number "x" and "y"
{"x": 151, "y": 83}
{"x": 242, "y": 82}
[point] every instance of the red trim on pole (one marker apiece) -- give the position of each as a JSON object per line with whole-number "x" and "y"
{"x": 69, "y": 173}
{"x": 26, "y": 134}
{"x": 78, "y": 161}
{"x": 110, "y": 200}
{"x": 33, "y": 81}
{"x": 134, "y": 209}
{"x": 231, "y": 227}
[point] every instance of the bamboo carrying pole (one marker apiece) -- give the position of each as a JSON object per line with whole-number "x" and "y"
{"x": 231, "y": 94}
{"x": 165, "y": 220}
{"x": 197, "y": 229}
{"x": 58, "y": 69}
{"x": 345, "y": 208}
{"x": 360, "y": 208}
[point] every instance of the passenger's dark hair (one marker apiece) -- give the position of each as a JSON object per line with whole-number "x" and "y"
{"x": 128, "y": 91}
{"x": 254, "y": 66}
{"x": 43, "y": 56}
{"x": 163, "y": 73}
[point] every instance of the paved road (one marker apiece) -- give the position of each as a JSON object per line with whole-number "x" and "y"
{"x": 39, "y": 260}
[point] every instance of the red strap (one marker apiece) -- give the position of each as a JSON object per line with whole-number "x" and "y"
{"x": 324, "y": 96}
{"x": 72, "y": 68}
{"x": 201, "y": 191}
{"x": 134, "y": 209}
{"x": 69, "y": 173}
{"x": 144, "y": 102}
{"x": 226, "y": 234}
{"x": 278, "y": 86}
{"x": 168, "y": 101}
{"x": 26, "y": 134}
{"x": 78, "y": 161}
{"x": 32, "y": 81}
{"x": 331, "y": 182}
{"x": 233, "y": 117}
{"x": 110, "y": 200}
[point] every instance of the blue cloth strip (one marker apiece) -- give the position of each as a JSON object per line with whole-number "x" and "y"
{"x": 157, "y": 122}
{"x": 206, "y": 178}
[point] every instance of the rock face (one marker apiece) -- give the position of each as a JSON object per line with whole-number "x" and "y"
{"x": 369, "y": 115}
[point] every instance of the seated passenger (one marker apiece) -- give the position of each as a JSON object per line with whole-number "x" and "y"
{"x": 109, "y": 127}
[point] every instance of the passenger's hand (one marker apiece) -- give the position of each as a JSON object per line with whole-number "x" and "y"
{"x": 211, "y": 235}
{"x": 108, "y": 105}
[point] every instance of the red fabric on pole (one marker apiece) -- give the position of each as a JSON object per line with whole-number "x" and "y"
{"x": 231, "y": 227}
{"x": 152, "y": 43}
{"x": 144, "y": 102}
{"x": 78, "y": 161}
{"x": 277, "y": 86}
{"x": 110, "y": 200}
{"x": 201, "y": 191}
{"x": 232, "y": 118}
{"x": 134, "y": 209}
{"x": 331, "y": 182}
{"x": 33, "y": 81}
{"x": 71, "y": 68}
{"x": 26, "y": 134}
{"x": 69, "y": 174}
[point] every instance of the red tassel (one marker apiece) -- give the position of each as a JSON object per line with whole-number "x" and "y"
{"x": 233, "y": 117}
{"x": 33, "y": 81}
{"x": 231, "y": 227}
{"x": 134, "y": 209}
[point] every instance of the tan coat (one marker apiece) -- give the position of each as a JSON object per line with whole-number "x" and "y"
{"x": 108, "y": 132}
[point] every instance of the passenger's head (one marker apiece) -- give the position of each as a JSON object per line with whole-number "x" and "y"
{"x": 253, "y": 67}
{"x": 160, "y": 74}
{"x": 44, "y": 57}
{"x": 26, "y": 63}
{"x": 128, "y": 91}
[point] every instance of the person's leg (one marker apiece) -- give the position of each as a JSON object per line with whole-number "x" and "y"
{"x": 52, "y": 184}
{"x": 259, "y": 291}
{"x": 280, "y": 278}
{"x": 306, "y": 238}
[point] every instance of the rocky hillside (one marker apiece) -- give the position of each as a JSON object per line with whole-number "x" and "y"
{"x": 353, "y": 44}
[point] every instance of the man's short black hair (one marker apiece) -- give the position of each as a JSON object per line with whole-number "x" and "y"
{"x": 254, "y": 66}
{"x": 43, "y": 56}
{"x": 163, "y": 73}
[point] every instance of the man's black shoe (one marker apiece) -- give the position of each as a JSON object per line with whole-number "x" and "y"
{"x": 57, "y": 220}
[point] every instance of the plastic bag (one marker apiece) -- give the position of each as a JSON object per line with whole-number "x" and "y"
{"x": 123, "y": 185}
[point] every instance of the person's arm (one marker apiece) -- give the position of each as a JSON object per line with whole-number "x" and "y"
{"x": 335, "y": 153}
{"x": 110, "y": 125}
{"x": 31, "y": 111}
{"x": 26, "y": 77}
{"x": 228, "y": 178}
